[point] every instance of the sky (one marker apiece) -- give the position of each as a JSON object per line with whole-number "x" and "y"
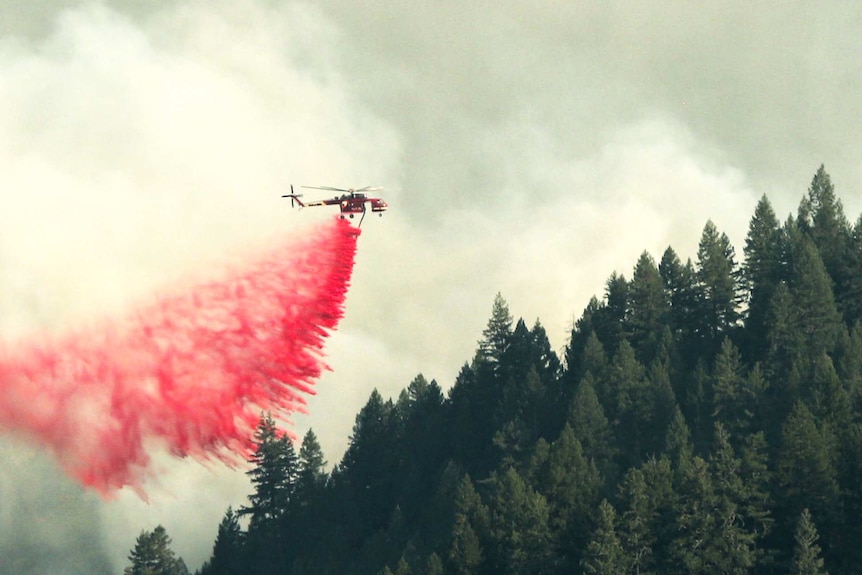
{"x": 525, "y": 148}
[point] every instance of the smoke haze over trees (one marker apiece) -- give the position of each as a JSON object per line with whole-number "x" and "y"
{"x": 704, "y": 418}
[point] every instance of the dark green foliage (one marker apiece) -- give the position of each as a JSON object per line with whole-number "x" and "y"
{"x": 761, "y": 273}
{"x": 706, "y": 416}
{"x": 806, "y": 552}
{"x": 152, "y": 555}
{"x": 717, "y": 275}
{"x": 648, "y": 309}
{"x": 604, "y": 554}
{"x": 273, "y": 476}
{"x": 227, "y": 551}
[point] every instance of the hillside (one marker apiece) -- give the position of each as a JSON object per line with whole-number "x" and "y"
{"x": 705, "y": 419}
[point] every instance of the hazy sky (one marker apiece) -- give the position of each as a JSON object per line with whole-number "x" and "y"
{"x": 527, "y": 148}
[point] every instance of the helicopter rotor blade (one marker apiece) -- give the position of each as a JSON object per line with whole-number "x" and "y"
{"x": 327, "y": 188}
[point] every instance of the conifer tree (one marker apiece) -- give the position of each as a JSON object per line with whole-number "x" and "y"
{"x": 466, "y": 553}
{"x": 648, "y": 309}
{"x": 589, "y": 424}
{"x": 637, "y": 522}
{"x": 227, "y": 551}
{"x": 730, "y": 402}
{"x": 370, "y": 464}
{"x": 604, "y": 554}
{"x": 680, "y": 282}
{"x": 518, "y": 526}
{"x": 495, "y": 337}
{"x": 717, "y": 276}
{"x": 273, "y": 474}
{"x": 582, "y": 329}
{"x": 570, "y": 483}
{"x": 152, "y": 555}
{"x": 310, "y": 461}
{"x": 761, "y": 272}
{"x": 693, "y": 549}
{"x": 434, "y": 565}
{"x": 806, "y": 474}
{"x": 735, "y": 540}
{"x": 851, "y": 302}
{"x": 810, "y": 286}
{"x": 806, "y": 552}
{"x": 608, "y": 319}
{"x": 821, "y": 216}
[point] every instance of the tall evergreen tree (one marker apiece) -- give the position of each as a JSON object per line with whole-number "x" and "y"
{"x": 227, "y": 551}
{"x": 273, "y": 474}
{"x": 495, "y": 337}
{"x": 370, "y": 464}
{"x": 589, "y": 424}
{"x": 607, "y": 320}
{"x": 806, "y": 552}
{"x": 822, "y": 217}
{"x": 311, "y": 462}
{"x": 761, "y": 272}
{"x": 518, "y": 527}
{"x": 637, "y": 523}
{"x": 816, "y": 316}
{"x": 730, "y": 402}
{"x": 717, "y": 275}
{"x": 466, "y": 553}
{"x": 570, "y": 483}
{"x": 851, "y": 302}
{"x": 648, "y": 309}
{"x": 680, "y": 283}
{"x": 604, "y": 554}
{"x": 806, "y": 474}
{"x": 152, "y": 555}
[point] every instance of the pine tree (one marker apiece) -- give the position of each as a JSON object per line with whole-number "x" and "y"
{"x": 692, "y": 549}
{"x": 730, "y": 402}
{"x": 604, "y": 554}
{"x": 815, "y": 316}
{"x": 370, "y": 465}
{"x": 806, "y": 553}
{"x": 152, "y": 555}
{"x": 717, "y": 276}
{"x": 851, "y": 302}
{"x": 648, "y": 309}
{"x": 680, "y": 283}
{"x": 761, "y": 272}
{"x": 518, "y": 526}
{"x": 806, "y": 474}
{"x": 227, "y": 551}
{"x": 822, "y": 217}
{"x": 589, "y": 424}
{"x": 495, "y": 337}
{"x": 311, "y": 462}
{"x": 273, "y": 475}
{"x": 434, "y": 565}
{"x": 570, "y": 483}
{"x": 608, "y": 320}
{"x": 466, "y": 553}
{"x": 637, "y": 524}
{"x": 733, "y": 548}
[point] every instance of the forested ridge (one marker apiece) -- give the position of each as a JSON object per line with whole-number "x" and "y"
{"x": 705, "y": 418}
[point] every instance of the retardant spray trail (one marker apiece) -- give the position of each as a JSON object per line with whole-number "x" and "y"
{"x": 193, "y": 371}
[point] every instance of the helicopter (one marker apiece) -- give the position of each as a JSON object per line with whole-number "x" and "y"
{"x": 350, "y": 202}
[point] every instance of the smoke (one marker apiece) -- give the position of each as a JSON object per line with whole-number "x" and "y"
{"x": 192, "y": 370}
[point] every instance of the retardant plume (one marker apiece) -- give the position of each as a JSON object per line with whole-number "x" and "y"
{"x": 193, "y": 370}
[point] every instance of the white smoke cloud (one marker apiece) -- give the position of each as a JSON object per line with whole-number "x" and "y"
{"x": 144, "y": 148}
{"x": 529, "y": 149}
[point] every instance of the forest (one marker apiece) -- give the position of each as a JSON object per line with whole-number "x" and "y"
{"x": 705, "y": 418}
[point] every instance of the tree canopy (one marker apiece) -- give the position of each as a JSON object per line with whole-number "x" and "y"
{"x": 705, "y": 417}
